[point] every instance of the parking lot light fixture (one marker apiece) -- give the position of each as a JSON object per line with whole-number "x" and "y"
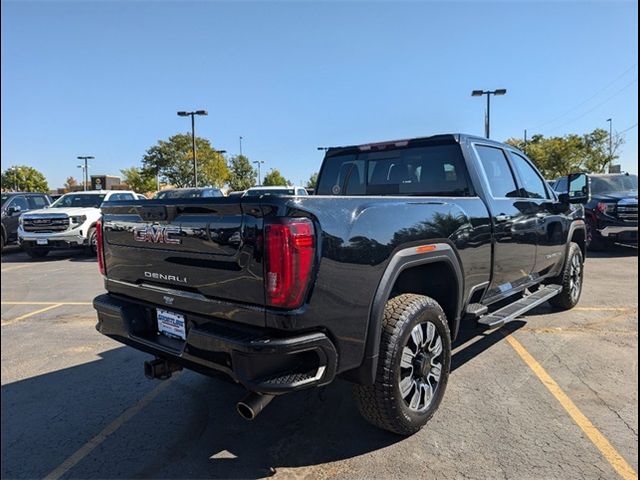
{"x": 193, "y": 139}
{"x": 259, "y": 162}
{"x": 85, "y": 169}
{"x": 487, "y": 116}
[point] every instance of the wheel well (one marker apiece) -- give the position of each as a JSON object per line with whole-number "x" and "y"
{"x": 436, "y": 280}
{"x": 579, "y": 237}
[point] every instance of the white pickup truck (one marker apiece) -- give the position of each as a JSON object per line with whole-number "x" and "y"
{"x": 67, "y": 223}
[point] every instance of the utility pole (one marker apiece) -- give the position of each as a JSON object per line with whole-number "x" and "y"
{"x": 240, "y": 145}
{"x": 610, "y": 141}
{"x": 525, "y": 140}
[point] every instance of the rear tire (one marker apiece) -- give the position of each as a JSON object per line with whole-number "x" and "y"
{"x": 36, "y": 252}
{"x": 571, "y": 279}
{"x": 413, "y": 366}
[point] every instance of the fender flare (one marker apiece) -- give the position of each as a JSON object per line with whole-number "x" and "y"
{"x": 402, "y": 260}
{"x": 578, "y": 224}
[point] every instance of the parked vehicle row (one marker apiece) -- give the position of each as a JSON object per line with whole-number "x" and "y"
{"x": 14, "y": 205}
{"x": 69, "y": 222}
{"x": 612, "y": 211}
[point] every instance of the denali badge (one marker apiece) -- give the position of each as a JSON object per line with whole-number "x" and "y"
{"x": 156, "y": 234}
{"x": 162, "y": 276}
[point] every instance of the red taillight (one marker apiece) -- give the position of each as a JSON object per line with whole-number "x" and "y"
{"x": 290, "y": 250}
{"x": 100, "y": 248}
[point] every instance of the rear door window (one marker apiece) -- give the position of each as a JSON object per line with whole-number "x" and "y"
{"x": 498, "y": 172}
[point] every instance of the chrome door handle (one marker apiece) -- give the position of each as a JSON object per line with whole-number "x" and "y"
{"x": 503, "y": 218}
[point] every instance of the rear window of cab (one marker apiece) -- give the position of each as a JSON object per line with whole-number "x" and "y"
{"x": 437, "y": 170}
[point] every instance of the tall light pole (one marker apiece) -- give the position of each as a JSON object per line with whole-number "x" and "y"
{"x": 240, "y": 138}
{"x": 610, "y": 141}
{"x": 85, "y": 169}
{"x": 487, "y": 116}
{"x": 193, "y": 140}
{"x": 258, "y": 162}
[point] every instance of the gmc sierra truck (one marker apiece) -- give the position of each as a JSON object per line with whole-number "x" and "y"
{"x": 367, "y": 280}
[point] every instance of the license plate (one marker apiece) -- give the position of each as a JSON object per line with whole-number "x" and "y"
{"x": 42, "y": 241}
{"x": 171, "y": 324}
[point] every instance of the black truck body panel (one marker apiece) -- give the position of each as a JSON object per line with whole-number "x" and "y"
{"x": 486, "y": 249}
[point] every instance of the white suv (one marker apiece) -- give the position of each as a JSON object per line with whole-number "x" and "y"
{"x": 67, "y": 223}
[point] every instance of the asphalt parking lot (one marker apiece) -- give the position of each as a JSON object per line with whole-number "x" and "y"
{"x": 553, "y": 395}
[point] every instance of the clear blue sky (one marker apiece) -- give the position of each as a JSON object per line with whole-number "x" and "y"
{"x": 106, "y": 78}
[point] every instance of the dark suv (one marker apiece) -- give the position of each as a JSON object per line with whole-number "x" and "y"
{"x": 612, "y": 212}
{"x": 15, "y": 204}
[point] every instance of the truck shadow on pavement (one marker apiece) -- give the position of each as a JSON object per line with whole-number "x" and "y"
{"x": 190, "y": 430}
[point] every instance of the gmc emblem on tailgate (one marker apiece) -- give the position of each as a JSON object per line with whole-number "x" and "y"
{"x": 156, "y": 234}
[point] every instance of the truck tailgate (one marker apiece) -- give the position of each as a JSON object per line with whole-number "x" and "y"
{"x": 209, "y": 248}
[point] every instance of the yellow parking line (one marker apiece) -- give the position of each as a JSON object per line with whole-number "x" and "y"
{"x": 598, "y": 439}
{"x": 27, "y": 315}
{"x": 605, "y": 309}
{"x": 9, "y": 269}
{"x": 88, "y": 447}
{"x": 46, "y": 303}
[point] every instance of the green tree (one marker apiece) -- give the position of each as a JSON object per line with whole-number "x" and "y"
{"x": 70, "y": 183}
{"x": 596, "y": 150}
{"x": 139, "y": 180}
{"x": 242, "y": 175}
{"x": 172, "y": 159}
{"x": 313, "y": 181}
{"x": 559, "y": 156}
{"x": 275, "y": 178}
{"x": 24, "y": 179}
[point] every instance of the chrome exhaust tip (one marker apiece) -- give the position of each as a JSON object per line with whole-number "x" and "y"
{"x": 251, "y": 405}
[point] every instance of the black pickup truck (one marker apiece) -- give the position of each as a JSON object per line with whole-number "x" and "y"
{"x": 368, "y": 279}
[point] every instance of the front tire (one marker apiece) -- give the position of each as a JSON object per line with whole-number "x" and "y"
{"x": 571, "y": 279}
{"x": 92, "y": 245}
{"x": 36, "y": 252}
{"x": 413, "y": 366}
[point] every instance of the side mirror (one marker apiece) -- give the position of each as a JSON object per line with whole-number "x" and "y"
{"x": 578, "y": 191}
{"x": 14, "y": 209}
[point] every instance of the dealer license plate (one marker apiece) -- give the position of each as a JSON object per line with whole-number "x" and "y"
{"x": 42, "y": 241}
{"x": 171, "y": 324}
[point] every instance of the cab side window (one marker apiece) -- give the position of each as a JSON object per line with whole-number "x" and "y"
{"x": 532, "y": 182}
{"x": 21, "y": 202}
{"x": 116, "y": 197}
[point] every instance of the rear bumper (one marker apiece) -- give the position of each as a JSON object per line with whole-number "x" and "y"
{"x": 262, "y": 360}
